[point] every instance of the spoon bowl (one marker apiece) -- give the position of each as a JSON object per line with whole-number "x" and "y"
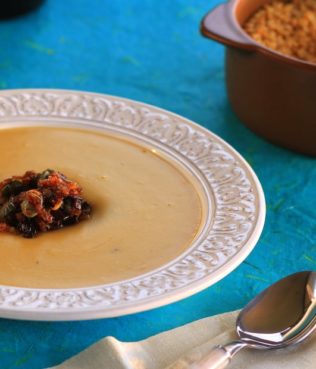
{"x": 282, "y": 315}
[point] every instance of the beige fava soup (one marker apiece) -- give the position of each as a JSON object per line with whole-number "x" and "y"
{"x": 146, "y": 212}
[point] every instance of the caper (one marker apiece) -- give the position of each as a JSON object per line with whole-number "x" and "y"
{"x": 46, "y": 173}
{"x": 11, "y": 189}
{"x": 67, "y": 205}
{"x": 7, "y": 209}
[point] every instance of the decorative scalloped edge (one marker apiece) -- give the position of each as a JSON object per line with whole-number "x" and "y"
{"x": 236, "y": 196}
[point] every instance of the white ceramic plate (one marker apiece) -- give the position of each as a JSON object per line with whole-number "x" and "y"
{"x": 232, "y": 199}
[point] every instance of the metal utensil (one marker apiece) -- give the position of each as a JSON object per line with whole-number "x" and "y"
{"x": 282, "y": 315}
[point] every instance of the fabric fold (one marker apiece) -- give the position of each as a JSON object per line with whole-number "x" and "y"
{"x": 187, "y": 344}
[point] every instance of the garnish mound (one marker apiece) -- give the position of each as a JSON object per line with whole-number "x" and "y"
{"x": 40, "y": 202}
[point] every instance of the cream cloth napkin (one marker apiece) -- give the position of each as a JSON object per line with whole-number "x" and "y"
{"x": 189, "y": 343}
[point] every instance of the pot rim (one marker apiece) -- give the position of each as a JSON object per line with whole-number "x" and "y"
{"x": 221, "y": 25}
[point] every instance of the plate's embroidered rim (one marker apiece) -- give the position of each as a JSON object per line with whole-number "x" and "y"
{"x": 239, "y": 202}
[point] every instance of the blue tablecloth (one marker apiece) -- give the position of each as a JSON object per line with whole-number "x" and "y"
{"x": 152, "y": 51}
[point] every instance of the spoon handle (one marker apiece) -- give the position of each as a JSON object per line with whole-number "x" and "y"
{"x": 218, "y": 358}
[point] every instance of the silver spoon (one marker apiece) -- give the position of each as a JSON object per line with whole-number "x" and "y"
{"x": 282, "y": 315}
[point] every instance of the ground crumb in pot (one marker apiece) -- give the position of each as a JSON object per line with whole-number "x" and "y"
{"x": 287, "y": 26}
{"x": 40, "y": 202}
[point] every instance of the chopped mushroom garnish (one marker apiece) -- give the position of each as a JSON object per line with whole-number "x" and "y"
{"x": 40, "y": 202}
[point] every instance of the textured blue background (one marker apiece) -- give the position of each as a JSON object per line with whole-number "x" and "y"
{"x": 151, "y": 51}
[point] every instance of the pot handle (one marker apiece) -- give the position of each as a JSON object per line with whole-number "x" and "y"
{"x": 218, "y": 25}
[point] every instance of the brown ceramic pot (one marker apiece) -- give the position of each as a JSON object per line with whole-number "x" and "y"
{"x": 273, "y": 94}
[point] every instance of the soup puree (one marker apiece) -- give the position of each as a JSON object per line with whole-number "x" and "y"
{"x": 145, "y": 210}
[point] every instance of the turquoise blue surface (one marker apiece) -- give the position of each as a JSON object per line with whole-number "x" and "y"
{"x": 151, "y": 51}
